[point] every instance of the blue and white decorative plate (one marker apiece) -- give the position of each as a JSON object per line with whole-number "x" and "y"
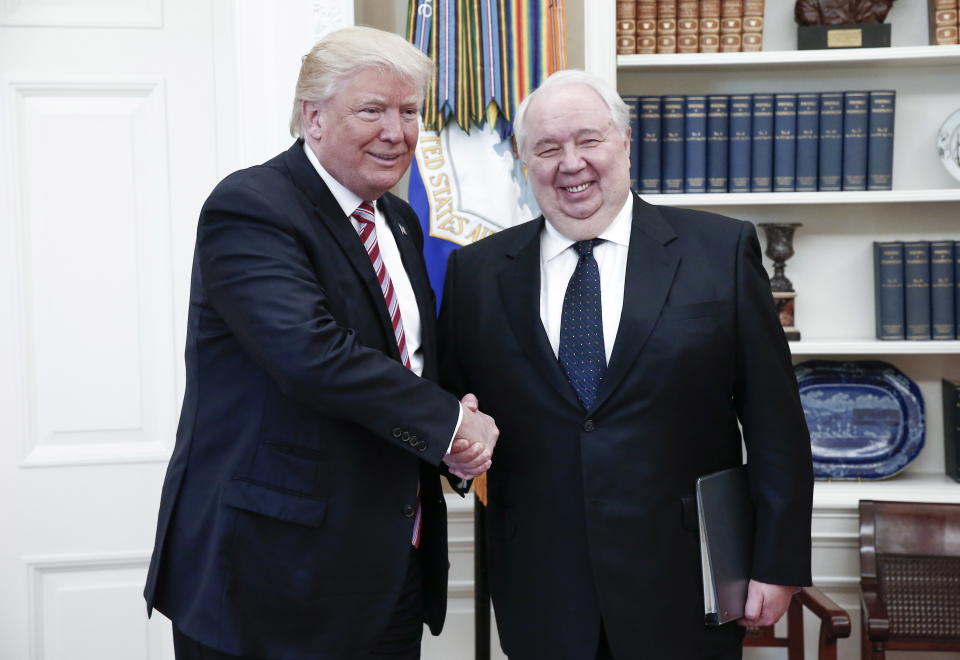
{"x": 866, "y": 419}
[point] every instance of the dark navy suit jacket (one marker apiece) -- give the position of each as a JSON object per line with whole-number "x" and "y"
{"x": 287, "y": 511}
{"x": 591, "y": 515}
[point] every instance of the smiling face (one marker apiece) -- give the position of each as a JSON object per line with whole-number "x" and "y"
{"x": 578, "y": 161}
{"x": 366, "y": 133}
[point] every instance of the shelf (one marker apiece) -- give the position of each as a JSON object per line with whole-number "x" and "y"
{"x": 873, "y": 347}
{"x": 904, "y": 56}
{"x": 905, "y": 487}
{"x": 845, "y": 197}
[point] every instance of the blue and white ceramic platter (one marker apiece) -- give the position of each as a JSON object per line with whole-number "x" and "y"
{"x": 866, "y": 419}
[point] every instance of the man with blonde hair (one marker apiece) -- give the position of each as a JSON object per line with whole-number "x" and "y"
{"x": 302, "y": 516}
{"x": 621, "y": 347}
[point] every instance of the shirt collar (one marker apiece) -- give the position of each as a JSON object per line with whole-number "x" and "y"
{"x": 346, "y": 198}
{"x": 552, "y": 242}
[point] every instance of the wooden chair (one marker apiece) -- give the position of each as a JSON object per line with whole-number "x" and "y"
{"x": 909, "y": 576}
{"x": 834, "y": 625}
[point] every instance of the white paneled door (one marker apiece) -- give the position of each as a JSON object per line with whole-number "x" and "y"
{"x": 107, "y": 148}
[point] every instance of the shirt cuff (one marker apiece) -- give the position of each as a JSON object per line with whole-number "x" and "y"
{"x": 456, "y": 429}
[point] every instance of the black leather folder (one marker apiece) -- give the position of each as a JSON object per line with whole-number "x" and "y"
{"x": 726, "y": 516}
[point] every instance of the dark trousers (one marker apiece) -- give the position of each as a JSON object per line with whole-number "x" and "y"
{"x": 400, "y": 641}
{"x": 603, "y": 650}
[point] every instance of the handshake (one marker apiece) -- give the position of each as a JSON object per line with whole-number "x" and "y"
{"x": 471, "y": 453}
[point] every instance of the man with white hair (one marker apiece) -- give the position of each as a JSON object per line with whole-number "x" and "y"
{"x": 620, "y": 346}
{"x": 302, "y": 516}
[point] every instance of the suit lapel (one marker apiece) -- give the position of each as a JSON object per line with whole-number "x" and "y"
{"x": 650, "y": 271}
{"x": 339, "y": 226}
{"x": 412, "y": 257}
{"x": 519, "y": 284}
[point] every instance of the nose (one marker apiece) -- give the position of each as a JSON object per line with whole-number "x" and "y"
{"x": 391, "y": 129}
{"x": 570, "y": 160}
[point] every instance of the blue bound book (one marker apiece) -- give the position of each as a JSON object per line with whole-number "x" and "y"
{"x": 695, "y": 144}
{"x": 888, "y": 289}
{"x": 831, "y": 141}
{"x": 956, "y": 280}
{"x": 784, "y": 142}
{"x": 741, "y": 111}
{"x": 880, "y": 140}
{"x": 761, "y": 153}
{"x": 916, "y": 278}
{"x": 942, "y": 290}
{"x": 808, "y": 137}
{"x": 855, "y": 107}
{"x": 671, "y": 152}
{"x": 718, "y": 118}
{"x": 633, "y": 106}
{"x": 649, "y": 137}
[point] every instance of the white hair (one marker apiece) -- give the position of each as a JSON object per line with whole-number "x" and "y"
{"x": 344, "y": 52}
{"x": 619, "y": 114}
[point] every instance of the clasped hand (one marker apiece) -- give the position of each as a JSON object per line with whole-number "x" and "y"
{"x": 472, "y": 451}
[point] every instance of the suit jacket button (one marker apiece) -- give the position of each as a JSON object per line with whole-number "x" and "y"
{"x": 421, "y": 445}
{"x": 405, "y": 436}
{"x": 588, "y": 425}
{"x": 397, "y": 432}
{"x": 408, "y": 511}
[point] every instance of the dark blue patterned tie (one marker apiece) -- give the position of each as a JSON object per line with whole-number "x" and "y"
{"x": 581, "y": 352}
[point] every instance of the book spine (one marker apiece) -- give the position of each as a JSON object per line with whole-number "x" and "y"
{"x": 633, "y": 107}
{"x": 916, "y": 298}
{"x": 785, "y": 143}
{"x": 880, "y": 140}
{"x": 731, "y": 25}
{"x": 752, "y": 25}
{"x": 741, "y": 111}
{"x": 942, "y": 290}
{"x": 649, "y": 137}
{"x": 855, "y": 107}
{"x": 666, "y": 26}
{"x": 671, "y": 154}
{"x": 646, "y": 26}
{"x": 831, "y": 141}
{"x": 688, "y": 26}
{"x": 626, "y": 27}
{"x": 888, "y": 289}
{"x": 718, "y": 118}
{"x": 709, "y": 26}
{"x": 808, "y": 138}
{"x": 951, "y": 429}
{"x": 956, "y": 291}
{"x": 761, "y": 142}
{"x": 944, "y": 16}
{"x": 695, "y": 144}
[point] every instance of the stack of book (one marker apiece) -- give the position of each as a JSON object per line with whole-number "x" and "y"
{"x": 916, "y": 292}
{"x": 762, "y": 142}
{"x": 944, "y": 22}
{"x": 689, "y": 26}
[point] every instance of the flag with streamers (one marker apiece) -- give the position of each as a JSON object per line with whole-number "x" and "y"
{"x": 490, "y": 54}
{"x": 466, "y": 183}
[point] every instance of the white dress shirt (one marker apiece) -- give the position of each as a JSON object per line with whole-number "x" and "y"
{"x": 558, "y": 260}
{"x": 406, "y": 299}
{"x": 409, "y": 312}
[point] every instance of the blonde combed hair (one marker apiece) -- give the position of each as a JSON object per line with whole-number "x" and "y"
{"x": 344, "y": 52}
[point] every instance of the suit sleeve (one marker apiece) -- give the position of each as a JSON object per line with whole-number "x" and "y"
{"x": 774, "y": 428}
{"x": 259, "y": 279}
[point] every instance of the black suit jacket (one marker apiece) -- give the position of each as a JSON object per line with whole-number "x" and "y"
{"x": 286, "y": 515}
{"x": 591, "y": 515}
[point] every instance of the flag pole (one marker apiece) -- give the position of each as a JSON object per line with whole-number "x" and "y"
{"x": 481, "y": 590}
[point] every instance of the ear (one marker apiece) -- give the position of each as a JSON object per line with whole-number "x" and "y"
{"x": 627, "y": 141}
{"x": 311, "y": 118}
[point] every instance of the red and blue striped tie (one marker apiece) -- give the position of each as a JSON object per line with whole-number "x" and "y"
{"x": 368, "y": 234}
